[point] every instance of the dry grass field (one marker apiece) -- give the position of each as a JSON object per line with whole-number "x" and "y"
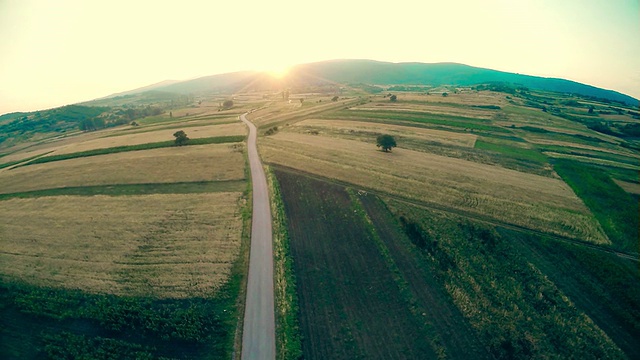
{"x": 514, "y": 197}
{"x": 281, "y": 112}
{"x": 346, "y": 128}
{"x": 631, "y": 188}
{"x": 154, "y": 136}
{"x": 169, "y": 246}
{"x": 165, "y": 165}
{"x": 428, "y": 108}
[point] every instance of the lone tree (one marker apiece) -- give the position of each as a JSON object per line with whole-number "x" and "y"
{"x": 181, "y": 138}
{"x": 386, "y": 142}
{"x": 393, "y": 98}
{"x": 227, "y": 104}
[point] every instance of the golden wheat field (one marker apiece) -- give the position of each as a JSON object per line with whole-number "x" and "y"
{"x": 169, "y": 246}
{"x": 346, "y": 127}
{"x": 165, "y": 165}
{"x": 36, "y": 147}
{"x": 154, "y": 136}
{"x": 528, "y": 200}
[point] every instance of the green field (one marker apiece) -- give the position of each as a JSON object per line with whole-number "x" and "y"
{"x": 61, "y": 324}
{"x": 616, "y": 210}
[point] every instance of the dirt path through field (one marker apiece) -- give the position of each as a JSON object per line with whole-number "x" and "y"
{"x": 258, "y": 338}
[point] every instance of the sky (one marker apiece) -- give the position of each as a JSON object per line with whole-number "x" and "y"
{"x": 54, "y": 53}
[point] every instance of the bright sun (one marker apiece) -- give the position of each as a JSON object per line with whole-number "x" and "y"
{"x": 278, "y": 72}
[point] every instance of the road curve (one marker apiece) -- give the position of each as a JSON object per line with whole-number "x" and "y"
{"x": 258, "y": 337}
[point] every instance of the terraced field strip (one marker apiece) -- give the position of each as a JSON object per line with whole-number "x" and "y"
{"x": 350, "y": 305}
{"x": 136, "y": 189}
{"x": 428, "y": 108}
{"x": 233, "y": 132}
{"x": 196, "y": 163}
{"x": 348, "y": 127}
{"x": 62, "y": 155}
{"x": 456, "y": 122}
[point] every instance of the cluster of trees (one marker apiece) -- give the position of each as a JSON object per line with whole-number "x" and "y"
{"x": 132, "y": 113}
{"x": 61, "y": 119}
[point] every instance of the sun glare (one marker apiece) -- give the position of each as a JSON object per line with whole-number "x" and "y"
{"x": 278, "y": 72}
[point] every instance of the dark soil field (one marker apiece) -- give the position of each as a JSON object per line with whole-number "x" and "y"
{"x": 350, "y": 305}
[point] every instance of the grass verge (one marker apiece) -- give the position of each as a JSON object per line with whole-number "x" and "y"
{"x": 288, "y": 341}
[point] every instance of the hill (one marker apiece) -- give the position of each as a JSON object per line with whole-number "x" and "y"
{"x": 376, "y": 72}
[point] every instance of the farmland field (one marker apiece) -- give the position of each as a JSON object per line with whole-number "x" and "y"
{"x": 524, "y": 199}
{"x": 175, "y": 246}
{"x": 344, "y": 285}
{"x": 168, "y": 165}
{"x": 135, "y": 276}
{"x": 153, "y": 136}
{"x": 504, "y": 225}
{"x": 517, "y": 310}
{"x": 438, "y": 273}
{"x": 125, "y": 254}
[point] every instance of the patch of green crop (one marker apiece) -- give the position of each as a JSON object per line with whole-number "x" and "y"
{"x": 422, "y": 118}
{"x": 518, "y": 312}
{"x": 590, "y": 276}
{"x": 62, "y": 324}
{"x": 531, "y": 155}
{"x": 614, "y": 208}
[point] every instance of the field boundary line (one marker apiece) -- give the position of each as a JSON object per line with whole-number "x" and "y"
{"x": 135, "y": 189}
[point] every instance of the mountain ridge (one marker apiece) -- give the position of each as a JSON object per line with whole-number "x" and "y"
{"x": 345, "y": 71}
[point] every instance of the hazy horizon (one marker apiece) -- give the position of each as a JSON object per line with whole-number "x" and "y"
{"x": 72, "y": 51}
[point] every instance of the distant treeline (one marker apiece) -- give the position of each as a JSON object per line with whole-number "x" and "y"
{"x": 22, "y": 126}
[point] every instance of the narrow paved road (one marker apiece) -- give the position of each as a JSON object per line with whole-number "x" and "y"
{"x": 258, "y": 338}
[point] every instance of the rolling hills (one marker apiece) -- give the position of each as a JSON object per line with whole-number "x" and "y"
{"x": 376, "y": 72}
